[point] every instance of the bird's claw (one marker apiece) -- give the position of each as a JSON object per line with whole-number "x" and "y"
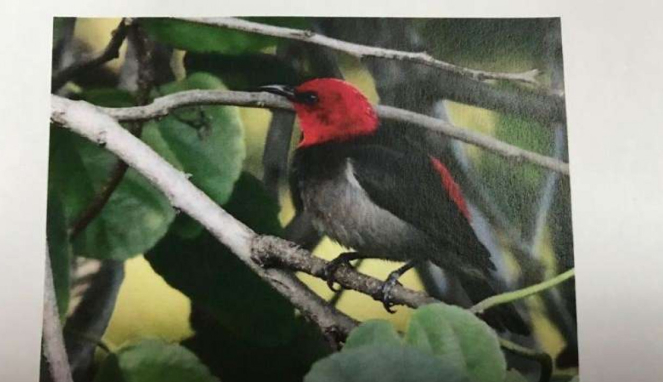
{"x": 329, "y": 271}
{"x": 385, "y": 293}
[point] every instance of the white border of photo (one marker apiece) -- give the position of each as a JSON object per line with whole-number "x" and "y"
{"x": 614, "y": 94}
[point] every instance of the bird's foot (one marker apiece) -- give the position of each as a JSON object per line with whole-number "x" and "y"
{"x": 390, "y": 283}
{"x": 385, "y": 291}
{"x": 329, "y": 272}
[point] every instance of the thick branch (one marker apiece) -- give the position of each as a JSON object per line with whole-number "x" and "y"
{"x": 88, "y": 121}
{"x": 53, "y": 343}
{"x": 274, "y": 252}
{"x": 164, "y": 105}
{"x": 110, "y": 52}
{"x": 254, "y": 250}
{"x": 360, "y": 51}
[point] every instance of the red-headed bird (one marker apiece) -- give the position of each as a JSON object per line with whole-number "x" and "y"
{"x": 382, "y": 201}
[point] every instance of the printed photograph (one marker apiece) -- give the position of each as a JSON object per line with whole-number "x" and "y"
{"x": 308, "y": 199}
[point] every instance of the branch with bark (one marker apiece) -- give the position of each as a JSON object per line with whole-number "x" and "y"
{"x": 259, "y": 253}
{"x": 361, "y": 51}
{"x": 90, "y": 122}
{"x": 162, "y": 106}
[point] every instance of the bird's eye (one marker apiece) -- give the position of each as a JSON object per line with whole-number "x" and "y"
{"x": 307, "y": 98}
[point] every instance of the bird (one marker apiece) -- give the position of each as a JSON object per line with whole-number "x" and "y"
{"x": 381, "y": 200}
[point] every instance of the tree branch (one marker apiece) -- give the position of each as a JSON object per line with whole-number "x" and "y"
{"x": 53, "y": 343}
{"x": 88, "y": 121}
{"x": 271, "y": 251}
{"x": 160, "y": 107}
{"x": 360, "y": 51}
{"x": 110, "y": 52}
{"x": 256, "y": 251}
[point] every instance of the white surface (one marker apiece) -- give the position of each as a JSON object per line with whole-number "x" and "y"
{"x": 615, "y": 107}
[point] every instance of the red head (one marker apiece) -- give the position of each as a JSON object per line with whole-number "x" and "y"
{"x": 329, "y": 110}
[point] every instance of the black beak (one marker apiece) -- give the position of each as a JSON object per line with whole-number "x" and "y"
{"x": 282, "y": 90}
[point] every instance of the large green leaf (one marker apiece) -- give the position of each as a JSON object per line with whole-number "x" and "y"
{"x": 433, "y": 334}
{"x": 59, "y": 250}
{"x": 215, "y": 278}
{"x": 373, "y": 332}
{"x": 153, "y": 361}
{"x": 135, "y": 217}
{"x": 385, "y": 364}
{"x": 205, "y": 142}
{"x": 202, "y": 38}
{"x": 475, "y": 340}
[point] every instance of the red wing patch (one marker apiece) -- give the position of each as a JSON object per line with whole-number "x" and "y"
{"x": 451, "y": 187}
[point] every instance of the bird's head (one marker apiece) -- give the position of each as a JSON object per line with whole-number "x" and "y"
{"x": 329, "y": 110}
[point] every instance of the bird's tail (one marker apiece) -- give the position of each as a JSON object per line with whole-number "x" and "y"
{"x": 501, "y": 317}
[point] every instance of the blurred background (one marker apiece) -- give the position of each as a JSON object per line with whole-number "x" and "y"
{"x": 523, "y": 212}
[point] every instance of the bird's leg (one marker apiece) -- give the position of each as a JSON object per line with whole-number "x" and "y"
{"x": 330, "y": 269}
{"x": 385, "y": 290}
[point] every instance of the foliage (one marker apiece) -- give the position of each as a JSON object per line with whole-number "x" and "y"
{"x": 153, "y": 361}
{"x": 441, "y": 343}
{"x": 244, "y": 329}
{"x": 193, "y": 37}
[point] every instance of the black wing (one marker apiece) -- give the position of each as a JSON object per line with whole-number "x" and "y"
{"x": 408, "y": 185}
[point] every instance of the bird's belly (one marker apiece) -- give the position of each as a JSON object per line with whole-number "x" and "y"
{"x": 342, "y": 210}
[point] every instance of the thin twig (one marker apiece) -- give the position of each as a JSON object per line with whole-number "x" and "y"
{"x": 361, "y": 51}
{"x": 99, "y": 201}
{"x": 53, "y": 343}
{"x": 110, "y": 52}
{"x": 508, "y": 297}
{"x": 162, "y": 106}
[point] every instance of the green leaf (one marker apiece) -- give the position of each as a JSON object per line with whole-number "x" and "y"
{"x": 212, "y": 276}
{"x": 153, "y": 361}
{"x": 432, "y": 333}
{"x": 135, "y": 217}
{"x": 59, "y": 250}
{"x": 205, "y": 142}
{"x": 477, "y": 342}
{"x": 514, "y": 376}
{"x": 372, "y": 332}
{"x": 203, "y": 38}
{"x": 385, "y": 364}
